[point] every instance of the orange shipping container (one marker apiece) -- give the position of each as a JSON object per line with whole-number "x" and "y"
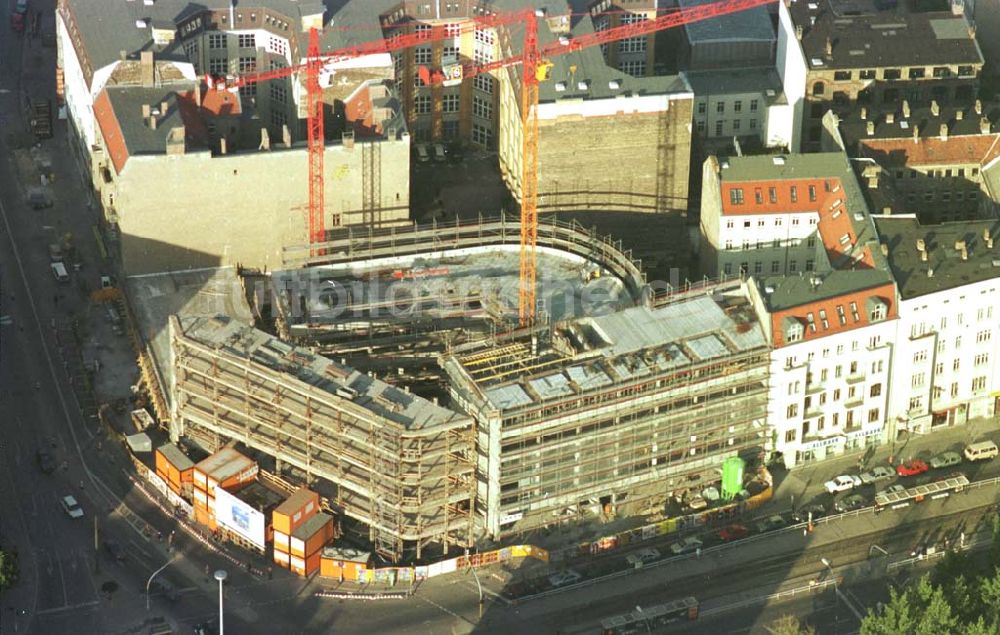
{"x": 343, "y": 564}
{"x": 173, "y": 466}
{"x": 227, "y": 468}
{"x": 280, "y": 541}
{"x": 311, "y": 536}
{"x": 305, "y": 566}
{"x": 281, "y": 558}
{"x": 302, "y": 505}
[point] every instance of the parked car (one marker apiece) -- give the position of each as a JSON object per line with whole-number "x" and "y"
{"x": 842, "y": 483}
{"x": 423, "y": 155}
{"x": 439, "y": 153}
{"x": 913, "y": 467}
{"x": 876, "y": 475}
{"x": 114, "y": 550}
{"x": 771, "y": 523}
{"x": 946, "y": 459}
{"x": 733, "y": 532}
{"x": 981, "y": 451}
{"x": 697, "y": 503}
{"x": 643, "y": 556}
{"x": 72, "y": 507}
{"x": 893, "y": 489}
{"x": 688, "y": 545}
{"x": 46, "y": 462}
{"x": 565, "y": 578}
{"x": 802, "y": 515}
{"x": 850, "y": 503}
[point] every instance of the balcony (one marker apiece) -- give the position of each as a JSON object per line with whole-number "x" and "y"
{"x": 855, "y": 378}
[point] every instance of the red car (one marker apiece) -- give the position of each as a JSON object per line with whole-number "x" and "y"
{"x": 733, "y": 532}
{"x": 912, "y": 467}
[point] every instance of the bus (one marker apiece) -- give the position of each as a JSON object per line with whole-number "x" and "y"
{"x": 644, "y": 620}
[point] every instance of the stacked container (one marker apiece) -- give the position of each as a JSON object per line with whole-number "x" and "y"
{"x": 344, "y": 564}
{"x": 307, "y": 542}
{"x": 227, "y": 469}
{"x": 175, "y": 468}
{"x": 302, "y": 505}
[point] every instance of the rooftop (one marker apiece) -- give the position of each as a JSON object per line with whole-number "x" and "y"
{"x": 862, "y": 36}
{"x": 311, "y": 526}
{"x": 797, "y": 290}
{"x": 593, "y": 352}
{"x": 945, "y": 262}
{"x": 258, "y": 495}
{"x": 224, "y": 464}
{"x": 296, "y": 502}
{"x": 341, "y": 383}
{"x": 750, "y": 25}
{"x": 854, "y": 129}
{"x": 176, "y": 457}
{"x": 735, "y": 82}
{"x": 347, "y": 554}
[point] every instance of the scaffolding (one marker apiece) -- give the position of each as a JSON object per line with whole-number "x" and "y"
{"x": 410, "y": 482}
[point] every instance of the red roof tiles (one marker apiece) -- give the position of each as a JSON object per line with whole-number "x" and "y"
{"x": 934, "y": 150}
{"x": 114, "y": 139}
{"x": 840, "y": 315}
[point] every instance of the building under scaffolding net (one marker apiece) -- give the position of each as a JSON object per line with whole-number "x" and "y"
{"x": 621, "y": 410}
{"x": 399, "y": 463}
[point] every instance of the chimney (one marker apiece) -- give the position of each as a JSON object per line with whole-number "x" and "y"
{"x": 885, "y": 249}
{"x": 965, "y": 254}
{"x": 935, "y": 108}
{"x": 798, "y": 32}
{"x": 870, "y": 128}
{"x": 286, "y": 136}
{"x": 347, "y": 138}
{"x": 152, "y": 122}
{"x": 197, "y": 95}
{"x": 175, "y": 141}
{"x": 146, "y": 111}
{"x": 916, "y": 134}
{"x": 265, "y": 140}
{"x": 890, "y": 117}
{"x": 163, "y": 108}
{"x": 828, "y": 50}
{"x": 921, "y": 245}
{"x": 979, "y": 106}
{"x": 987, "y": 238}
{"x": 959, "y": 115}
{"x": 146, "y": 68}
{"x": 943, "y": 132}
{"x": 960, "y": 245}
{"x": 930, "y": 272}
{"x": 864, "y": 113}
{"x": 923, "y": 256}
{"x": 984, "y": 125}
{"x": 122, "y": 54}
{"x": 222, "y": 145}
{"x": 906, "y": 109}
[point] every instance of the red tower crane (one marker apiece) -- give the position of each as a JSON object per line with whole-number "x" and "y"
{"x": 536, "y": 67}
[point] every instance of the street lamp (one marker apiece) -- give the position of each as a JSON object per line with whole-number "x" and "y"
{"x": 836, "y": 593}
{"x": 220, "y": 575}
{"x": 480, "y": 587}
{"x": 155, "y": 573}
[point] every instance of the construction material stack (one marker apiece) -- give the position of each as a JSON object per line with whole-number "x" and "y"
{"x": 226, "y": 469}
{"x": 301, "y": 506}
{"x": 175, "y": 468}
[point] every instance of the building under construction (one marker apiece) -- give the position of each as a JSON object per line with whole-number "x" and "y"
{"x": 615, "y": 404}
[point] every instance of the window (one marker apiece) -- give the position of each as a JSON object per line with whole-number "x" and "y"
{"x": 737, "y": 106}
{"x": 939, "y": 368}
{"x": 422, "y": 55}
{"x": 958, "y": 342}
{"x": 482, "y": 135}
{"x": 866, "y": 74}
{"x": 248, "y": 64}
{"x": 482, "y": 52}
{"x": 728, "y": 268}
{"x": 873, "y": 415}
{"x": 772, "y": 194}
{"x": 955, "y": 365}
{"x": 966, "y": 71}
{"x": 278, "y": 93}
{"x": 701, "y": 108}
{"x": 248, "y": 41}
{"x": 979, "y": 384}
{"x": 417, "y": 82}
{"x": 983, "y": 336}
{"x": 758, "y": 196}
{"x": 878, "y": 312}
{"x": 792, "y": 266}
{"x": 981, "y": 359}
{"x": 758, "y": 267}
{"x": 277, "y": 118}
{"x": 218, "y": 66}
{"x": 891, "y": 73}
{"x": 451, "y": 102}
{"x": 917, "y": 73}
{"x": 794, "y": 192}
{"x": 792, "y": 411}
{"x": 248, "y": 91}
{"x": 818, "y": 89}
{"x": 636, "y": 68}
{"x": 877, "y": 365}
{"x": 795, "y": 221}
{"x": 453, "y": 29}
{"x": 954, "y": 390}
{"x": 720, "y": 107}
{"x": 450, "y": 53}
{"x": 753, "y": 124}
{"x": 718, "y": 128}
{"x": 729, "y": 222}
{"x": 482, "y": 108}
{"x": 778, "y": 222}
{"x": 917, "y": 380}
{"x": 632, "y": 44}
{"x": 876, "y": 390}
{"x": 916, "y": 403}
{"x": 790, "y": 436}
{"x": 701, "y": 126}
{"x": 809, "y": 265}
{"x": 753, "y": 105}
{"x": 919, "y": 356}
{"x": 775, "y": 266}
{"x": 812, "y": 193}
{"x": 217, "y": 41}
{"x": 422, "y": 104}
{"x": 483, "y": 82}
{"x": 449, "y": 129}
{"x": 729, "y": 244}
{"x": 836, "y": 392}
{"x": 736, "y": 125}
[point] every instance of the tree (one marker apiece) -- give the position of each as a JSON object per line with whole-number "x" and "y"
{"x": 995, "y": 545}
{"x": 899, "y": 615}
{"x": 8, "y": 569}
{"x": 789, "y": 625}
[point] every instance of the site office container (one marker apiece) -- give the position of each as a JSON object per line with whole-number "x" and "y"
{"x": 302, "y": 505}
{"x": 345, "y": 564}
{"x": 312, "y": 536}
{"x": 281, "y": 558}
{"x": 227, "y": 468}
{"x": 305, "y": 566}
{"x": 175, "y": 468}
{"x": 280, "y": 542}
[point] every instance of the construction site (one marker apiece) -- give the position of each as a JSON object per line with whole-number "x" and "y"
{"x": 394, "y": 381}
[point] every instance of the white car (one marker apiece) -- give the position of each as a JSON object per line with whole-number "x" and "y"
{"x": 72, "y": 507}
{"x": 877, "y": 474}
{"x": 564, "y": 578}
{"x": 688, "y": 545}
{"x": 842, "y": 483}
{"x": 642, "y": 556}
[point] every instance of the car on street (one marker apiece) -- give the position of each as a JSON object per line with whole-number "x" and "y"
{"x": 913, "y": 467}
{"x": 893, "y": 489}
{"x": 565, "y": 578}
{"x": 642, "y": 557}
{"x": 733, "y": 532}
{"x": 439, "y": 152}
{"x": 850, "y": 503}
{"x": 771, "y": 523}
{"x": 946, "y": 459}
{"x": 46, "y": 462}
{"x": 802, "y": 515}
{"x": 114, "y": 550}
{"x": 877, "y": 475}
{"x": 842, "y": 483}
{"x": 688, "y": 545}
{"x": 71, "y": 507}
